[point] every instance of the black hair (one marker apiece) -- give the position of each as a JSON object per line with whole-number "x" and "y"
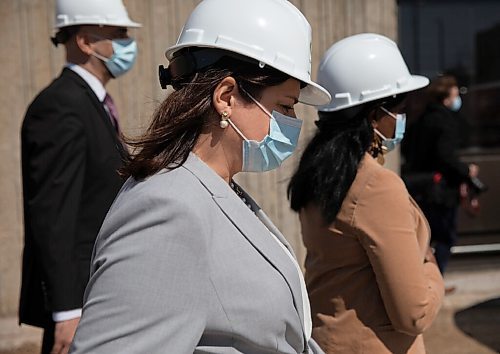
{"x": 330, "y": 161}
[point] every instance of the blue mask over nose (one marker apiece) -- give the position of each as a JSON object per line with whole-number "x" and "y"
{"x": 391, "y": 143}
{"x": 277, "y": 145}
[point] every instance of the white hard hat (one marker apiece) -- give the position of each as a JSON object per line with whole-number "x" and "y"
{"x": 273, "y": 32}
{"x": 92, "y": 12}
{"x": 363, "y": 68}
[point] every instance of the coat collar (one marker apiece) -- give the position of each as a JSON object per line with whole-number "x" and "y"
{"x": 255, "y": 228}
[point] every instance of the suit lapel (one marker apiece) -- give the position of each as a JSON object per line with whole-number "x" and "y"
{"x": 107, "y": 121}
{"x": 103, "y": 115}
{"x": 255, "y": 228}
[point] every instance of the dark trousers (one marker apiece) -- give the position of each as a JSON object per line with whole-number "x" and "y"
{"x": 48, "y": 338}
{"x": 443, "y": 223}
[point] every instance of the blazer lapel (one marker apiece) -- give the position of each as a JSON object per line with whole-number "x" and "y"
{"x": 255, "y": 228}
{"x": 262, "y": 216}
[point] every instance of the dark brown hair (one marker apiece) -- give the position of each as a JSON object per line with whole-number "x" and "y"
{"x": 440, "y": 88}
{"x": 182, "y": 116}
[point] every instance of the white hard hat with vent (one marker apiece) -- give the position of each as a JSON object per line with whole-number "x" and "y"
{"x": 272, "y": 32}
{"x": 92, "y": 12}
{"x": 363, "y": 68}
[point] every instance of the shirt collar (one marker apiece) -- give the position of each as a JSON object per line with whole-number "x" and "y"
{"x": 94, "y": 83}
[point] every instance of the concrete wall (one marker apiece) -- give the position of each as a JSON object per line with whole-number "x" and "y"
{"x": 29, "y": 62}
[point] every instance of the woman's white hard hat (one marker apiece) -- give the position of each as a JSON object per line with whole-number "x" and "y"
{"x": 363, "y": 68}
{"x": 92, "y": 12}
{"x": 272, "y": 32}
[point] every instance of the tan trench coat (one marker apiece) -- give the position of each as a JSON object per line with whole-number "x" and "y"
{"x": 370, "y": 289}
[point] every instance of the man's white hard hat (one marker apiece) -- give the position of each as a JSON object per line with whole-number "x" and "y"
{"x": 92, "y": 12}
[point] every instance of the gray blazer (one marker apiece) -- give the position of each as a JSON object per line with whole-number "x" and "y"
{"x": 182, "y": 265}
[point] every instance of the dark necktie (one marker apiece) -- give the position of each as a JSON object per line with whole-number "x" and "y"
{"x": 112, "y": 111}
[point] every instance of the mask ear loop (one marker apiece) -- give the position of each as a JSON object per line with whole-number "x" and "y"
{"x": 94, "y": 53}
{"x": 376, "y": 130}
{"x": 257, "y": 102}
{"x": 236, "y": 129}
{"x": 389, "y": 113}
{"x": 99, "y": 56}
{"x": 379, "y": 134}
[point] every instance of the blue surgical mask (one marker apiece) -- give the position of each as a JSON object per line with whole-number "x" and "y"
{"x": 456, "y": 104}
{"x": 391, "y": 143}
{"x": 276, "y": 147}
{"x": 123, "y": 58}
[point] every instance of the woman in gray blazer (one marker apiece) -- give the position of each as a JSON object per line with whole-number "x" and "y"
{"x": 185, "y": 260}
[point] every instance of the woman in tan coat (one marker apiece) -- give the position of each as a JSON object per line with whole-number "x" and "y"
{"x": 373, "y": 282}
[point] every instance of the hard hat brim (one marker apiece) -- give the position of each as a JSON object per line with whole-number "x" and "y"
{"x": 314, "y": 94}
{"x": 414, "y": 83}
{"x": 128, "y": 24}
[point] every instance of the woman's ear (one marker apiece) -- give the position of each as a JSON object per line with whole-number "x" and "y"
{"x": 223, "y": 97}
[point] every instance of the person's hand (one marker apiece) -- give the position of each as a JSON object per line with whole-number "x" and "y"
{"x": 469, "y": 202}
{"x": 472, "y": 207}
{"x": 63, "y": 335}
{"x": 464, "y": 191}
{"x": 473, "y": 170}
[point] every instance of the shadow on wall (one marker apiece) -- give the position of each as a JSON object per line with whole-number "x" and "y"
{"x": 482, "y": 322}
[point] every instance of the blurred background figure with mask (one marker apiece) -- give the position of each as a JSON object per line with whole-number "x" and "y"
{"x": 433, "y": 173}
{"x": 71, "y": 151}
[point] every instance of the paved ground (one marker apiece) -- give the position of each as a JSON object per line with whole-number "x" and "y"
{"x": 468, "y": 323}
{"x": 18, "y": 340}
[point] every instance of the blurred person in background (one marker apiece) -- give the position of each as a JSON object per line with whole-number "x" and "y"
{"x": 373, "y": 282}
{"x": 186, "y": 261}
{"x": 433, "y": 172}
{"x": 71, "y": 151}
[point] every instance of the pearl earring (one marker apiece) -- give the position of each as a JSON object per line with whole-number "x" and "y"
{"x": 223, "y": 120}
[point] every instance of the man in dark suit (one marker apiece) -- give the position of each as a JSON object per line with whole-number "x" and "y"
{"x": 71, "y": 151}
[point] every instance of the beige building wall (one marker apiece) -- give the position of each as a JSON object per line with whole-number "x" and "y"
{"x": 29, "y": 62}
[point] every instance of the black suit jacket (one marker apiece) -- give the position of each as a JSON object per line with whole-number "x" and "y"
{"x": 70, "y": 157}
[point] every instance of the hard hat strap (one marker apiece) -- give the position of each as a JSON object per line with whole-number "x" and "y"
{"x": 389, "y": 113}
